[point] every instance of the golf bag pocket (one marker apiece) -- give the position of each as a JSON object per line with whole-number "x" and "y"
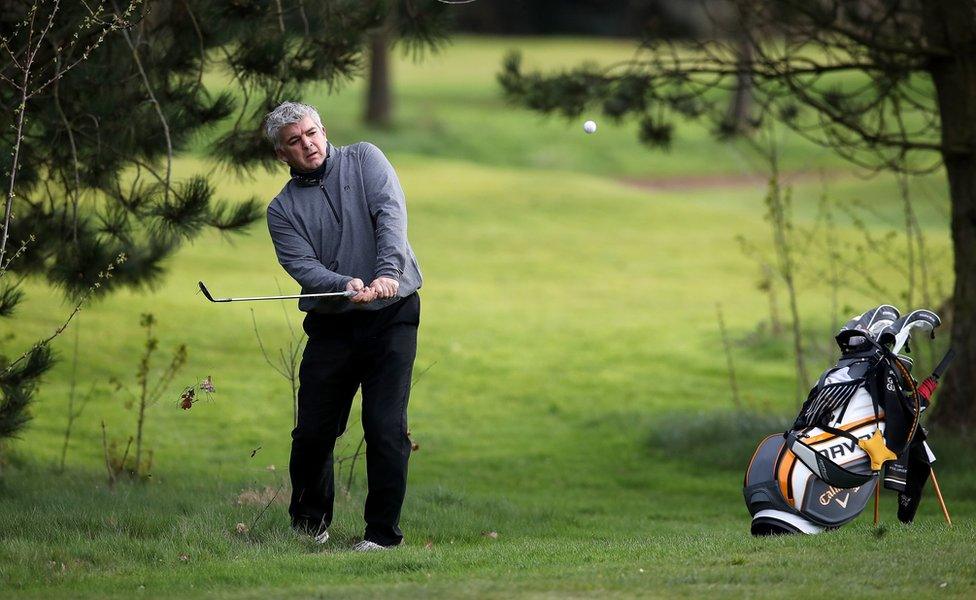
{"x": 784, "y": 496}
{"x": 832, "y": 507}
{"x": 763, "y": 461}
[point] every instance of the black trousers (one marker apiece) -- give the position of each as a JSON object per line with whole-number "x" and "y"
{"x": 374, "y": 349}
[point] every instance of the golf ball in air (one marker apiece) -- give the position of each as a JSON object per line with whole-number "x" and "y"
{"x": 589, "y": 127}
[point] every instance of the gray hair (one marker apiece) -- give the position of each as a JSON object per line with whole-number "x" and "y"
{"x": 287, "y": 113}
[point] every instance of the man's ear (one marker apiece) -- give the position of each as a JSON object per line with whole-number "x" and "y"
{"x": 281, "y": 155}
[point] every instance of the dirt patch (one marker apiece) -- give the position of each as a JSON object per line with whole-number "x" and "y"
{"x": 721, "y": 180}
{"x": 262, "y": 497}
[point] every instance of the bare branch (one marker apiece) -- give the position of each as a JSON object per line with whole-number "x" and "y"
{"x": 77, "y": 308}
{"x": 159, "y": 112}
{"x": 264, "y": 352}
{"x": 18, "y": 139}
{"x": 20, "y": 251}
{"x": 203, "y": 52}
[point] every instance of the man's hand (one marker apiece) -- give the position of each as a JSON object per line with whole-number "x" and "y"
{"x": 363, "y": 294}
{"x": 384, "y": 287}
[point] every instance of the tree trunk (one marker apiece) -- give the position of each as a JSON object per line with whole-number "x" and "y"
{"x": 952, "y": 25}
{"x": 957, "y": 402}
{"x": 738, "y": 116}
{"x": 379, "y": 95}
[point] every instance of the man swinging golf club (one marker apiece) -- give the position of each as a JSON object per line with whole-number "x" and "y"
{"x": 338, "y": 223}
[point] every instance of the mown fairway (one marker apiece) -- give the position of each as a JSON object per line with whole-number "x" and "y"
{"x": 575, "y": 426}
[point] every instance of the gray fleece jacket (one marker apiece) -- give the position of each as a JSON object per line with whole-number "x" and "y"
{"x": 351, "y": 223}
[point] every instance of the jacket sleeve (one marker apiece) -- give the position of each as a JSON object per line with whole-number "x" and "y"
{"x": 388, "y": 209}
{"x": 298, "y": 258}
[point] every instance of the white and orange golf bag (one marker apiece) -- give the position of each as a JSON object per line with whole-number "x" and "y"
{"x": 859, "y": 424}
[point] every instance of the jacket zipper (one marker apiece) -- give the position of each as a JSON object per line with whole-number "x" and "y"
{"x": 328, "y": 198}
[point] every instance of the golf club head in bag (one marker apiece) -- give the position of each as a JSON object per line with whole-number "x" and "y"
{"x": 897, "y": 334}
{"x": 902, "y": 417}
{"x": 870, "y": 323}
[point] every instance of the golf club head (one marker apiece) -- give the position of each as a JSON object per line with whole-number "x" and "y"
{"x": 897, "y": 334}
{"x": 870, "y": 323}
{"x": 205, "y": 291}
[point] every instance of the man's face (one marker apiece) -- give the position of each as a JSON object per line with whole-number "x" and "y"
{"x": 302, "y": 144}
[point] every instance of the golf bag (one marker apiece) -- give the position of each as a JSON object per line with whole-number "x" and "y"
{"x": 860, "y": 420}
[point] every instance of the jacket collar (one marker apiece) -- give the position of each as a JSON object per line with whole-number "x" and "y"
{"x": 314, "y": 178}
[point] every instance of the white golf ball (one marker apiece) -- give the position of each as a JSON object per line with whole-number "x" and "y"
{"x": 589, "y": 127}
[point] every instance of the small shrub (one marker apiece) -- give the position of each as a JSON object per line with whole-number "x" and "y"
{"x": 719, "y": 439}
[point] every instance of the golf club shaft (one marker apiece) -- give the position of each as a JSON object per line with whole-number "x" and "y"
{"x": 209, "y": 296}
{"x": 323, "y": 295}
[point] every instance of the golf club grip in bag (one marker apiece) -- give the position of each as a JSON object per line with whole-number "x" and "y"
{"x": 943, "y": 365}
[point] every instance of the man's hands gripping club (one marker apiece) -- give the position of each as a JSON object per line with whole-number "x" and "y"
{"x": 382, "y": 287}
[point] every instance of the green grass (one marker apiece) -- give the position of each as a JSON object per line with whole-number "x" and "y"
{"x": 577, "y": 405}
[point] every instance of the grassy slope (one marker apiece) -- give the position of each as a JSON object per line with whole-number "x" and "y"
{"x": 567, "y": 316}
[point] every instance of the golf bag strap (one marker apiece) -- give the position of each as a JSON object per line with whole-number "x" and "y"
{"x": 915, "y": 409}
{"x": 841, "y": 432}
{"x": 825, "y": 468}
{"x": 875, "y": 387}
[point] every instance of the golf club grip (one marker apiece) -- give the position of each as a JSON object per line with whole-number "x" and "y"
{"x": 944, "y": 364}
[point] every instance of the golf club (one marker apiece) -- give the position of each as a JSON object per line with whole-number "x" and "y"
{"x": 899, "y": 331}
{"x": 210, "y": 297}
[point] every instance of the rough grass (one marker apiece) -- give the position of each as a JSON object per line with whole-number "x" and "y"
{"x": 578, "y": 407}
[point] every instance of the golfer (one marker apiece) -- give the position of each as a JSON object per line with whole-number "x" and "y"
{"x": 340, "y": 223}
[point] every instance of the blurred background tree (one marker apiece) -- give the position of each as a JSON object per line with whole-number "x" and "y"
{"x": 607, "y": 18}
{"x": 416, "y": 26}
{"x": 887, "y": 84}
